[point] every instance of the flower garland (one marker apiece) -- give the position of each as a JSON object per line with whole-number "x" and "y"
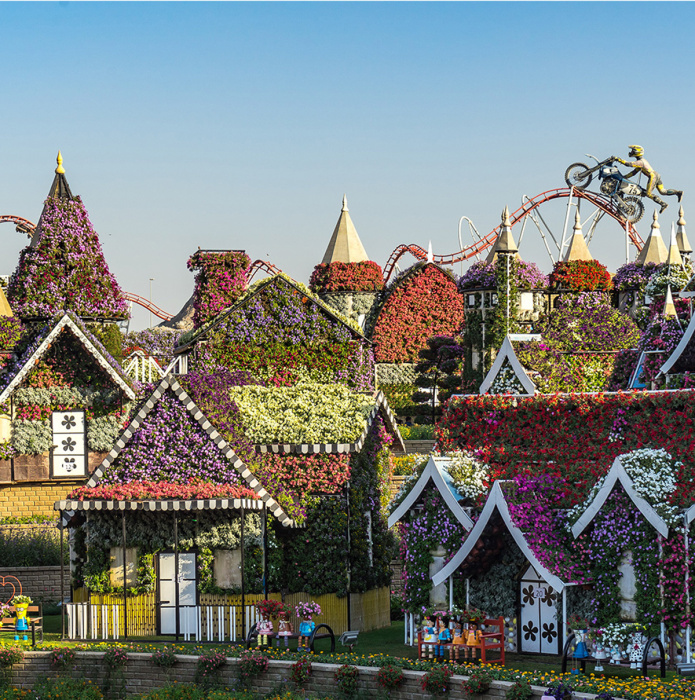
{"x": 366, "y": 276}
{"x": 160, "y": 490}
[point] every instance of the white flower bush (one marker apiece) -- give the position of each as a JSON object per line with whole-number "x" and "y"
{"x": 506, "y": 381}
{"x": 304, "y": 413}
{"x": 468, "y": 473}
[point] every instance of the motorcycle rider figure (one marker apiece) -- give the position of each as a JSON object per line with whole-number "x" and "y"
{"x": 654, "y": 179}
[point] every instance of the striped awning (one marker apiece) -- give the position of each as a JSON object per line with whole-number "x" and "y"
{"x": 192, "y": 504}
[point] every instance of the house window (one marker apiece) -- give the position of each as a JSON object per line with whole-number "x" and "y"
{"x": 370, "y": 541}
{"x": 69, "y": 445}
{"x": 116, "y": 566}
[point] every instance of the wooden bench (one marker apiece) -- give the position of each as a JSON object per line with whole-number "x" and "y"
{"x": 491, "y": 641}
{"x": 35, "y": 615}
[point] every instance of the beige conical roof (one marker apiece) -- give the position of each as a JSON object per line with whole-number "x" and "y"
{"x": 345, "y": 245}
{"x": 654, "y": 250}
{"x": 5, "y": 308}
{"x": 681, "y": 236}
{"x": 669, "y": 307}
{"x": 505, "y": 240}
{"x": 674, "y": 255}
{"x": 578, "y": 249}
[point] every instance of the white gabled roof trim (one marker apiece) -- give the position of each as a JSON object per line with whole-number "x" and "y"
{"x": 678, "y": 350}
{"x": 507, "y": 353}
{"x": 617, "y": 474}
{"x": 496, "y": 502}
{"x": 65, "y": 322}
{"x": 432, "y": 472}
{"x": 169, "y": 382}
{"x": 690, "y": 514}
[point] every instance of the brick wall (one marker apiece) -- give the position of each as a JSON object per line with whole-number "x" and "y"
{"x": 20, "y": 500}
{"x": 142, "y": 676}
{"x": 42, "y": 583}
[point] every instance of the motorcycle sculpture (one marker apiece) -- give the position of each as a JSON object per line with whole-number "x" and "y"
{"x": 625, "y": 195}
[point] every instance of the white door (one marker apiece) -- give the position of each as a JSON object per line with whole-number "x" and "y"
{"x": 539, "y": 630}
{"x": 167, "y": 591}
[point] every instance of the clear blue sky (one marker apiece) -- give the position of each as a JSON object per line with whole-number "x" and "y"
{"x": 241, "y": 125}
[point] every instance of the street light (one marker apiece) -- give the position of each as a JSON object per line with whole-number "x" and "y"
{"x": 151, "y": 280}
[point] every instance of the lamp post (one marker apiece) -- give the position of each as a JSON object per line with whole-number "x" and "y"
{"x": 151, "y": 280}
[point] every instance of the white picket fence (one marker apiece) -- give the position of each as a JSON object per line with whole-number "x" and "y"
{"x": 211, "y": 623}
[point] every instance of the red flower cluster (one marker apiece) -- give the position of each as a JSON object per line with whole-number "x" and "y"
{"x": 160, "y": 490}
{"x": 572, "y": 436}
{"x": 424, "y": 303}
{"x": 364, "y": 276}
{"x": 581, "y": 276}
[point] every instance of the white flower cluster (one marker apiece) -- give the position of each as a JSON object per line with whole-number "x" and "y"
{"x": 468, "y": 473}
{"x": 653, "y": 473}
{"x": 618, "y": 633}
{"x": 673, "y": 275}
{"x": 304, "y": 413}
{"x": 506, "y": 381}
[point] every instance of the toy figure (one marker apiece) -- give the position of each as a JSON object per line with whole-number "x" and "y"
{"x": 21, "y": 605}
{"x": 429, "y": 638}
{"x": 599, "y": 654}
{"x": 615, "y": 655}
{"x": 653, "y": 178}
{"x": 284, "y": 628}
{"x": 474, "y": 640}
{"x": 636, "y": 649}
{"x": 443, "y": 637}
{"x": 458, "y": 640}
{"x": 265, "y": 628}
{"x": 305, "y": 611}
{"x": 306, "y": 627}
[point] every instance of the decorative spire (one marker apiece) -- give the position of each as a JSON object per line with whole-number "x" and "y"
{"x": 505, "y": 240}
{"x": 669, "y": 307}
{"x": 681, "y": 236}
{"x": 654, "y": 250}
{"x": 674, "y": 256}
{"x": 430, "y": 254}
{"x": 60, "y": 170}
{"x": 578, "y": 250}
{"x": 345, "y": 245}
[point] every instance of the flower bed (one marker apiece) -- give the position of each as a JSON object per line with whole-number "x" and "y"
{"x": 160, "y": 490}
{"x": 580, "y": 276}
{"x": 483, "y": 275}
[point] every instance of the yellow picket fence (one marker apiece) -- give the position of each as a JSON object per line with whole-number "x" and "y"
{"x": 104, "y": 617}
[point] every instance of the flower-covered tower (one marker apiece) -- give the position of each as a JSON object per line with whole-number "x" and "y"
{"x": 63, "y": 268}
{"x": 346, "y": 278}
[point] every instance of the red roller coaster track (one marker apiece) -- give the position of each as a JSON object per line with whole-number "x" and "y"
{"x": 264, "y": 265}
{"x": 22, "y": 225}
{"x": 597, "y": 200}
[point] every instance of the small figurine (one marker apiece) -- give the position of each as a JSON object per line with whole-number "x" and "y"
{"x": 636, "y": 649}
{"x": 429, "y": 638}
{"x": 580, "y": 650}
{"x": 474, "y": 640}
{"x": 615, "y": 655}
{"x": 21, "y": 606}
{"x": 284, "y": 628}
{"x": 458, "y": 640}
{"x": 599, "y": 654}
{"x": 305, "y": 611}
{"x": 443, "y": 637}
{"x": 265, "y": 628}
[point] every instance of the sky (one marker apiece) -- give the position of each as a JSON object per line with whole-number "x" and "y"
{"x": 241, "y": 125}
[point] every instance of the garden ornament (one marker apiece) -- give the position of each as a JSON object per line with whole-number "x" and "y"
{"x": 429, "y": 638}
{"x": 306, "y": 627}
{"x": 636, "y": 649}
{"x": 458, "y": 640}
{"x": 21, "y": 606}
{"x": 474, "y": 640}
{"x": 641, "y": 166}
{"x": 443, "y": 637}
{"x": 265, "y": 628}
{"x": 284, "y": 628}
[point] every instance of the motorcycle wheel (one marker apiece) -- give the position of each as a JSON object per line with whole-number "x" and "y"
{"x": 633, "y": 210}
{"x": 575, "y": 176}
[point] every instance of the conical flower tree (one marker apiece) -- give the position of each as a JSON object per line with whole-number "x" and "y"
{"x": 64, "y": 268}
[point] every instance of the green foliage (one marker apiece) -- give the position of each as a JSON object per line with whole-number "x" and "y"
{"x": 110, "y": 336}
{"x": 65, "y": 689}
{"x": 400, "y": 397}
{"x": 31, "y": 437}
{"x": 208, "y": 670}
{"x": 31, "y": 546}
{"x": 164, "y": 658}
{"x": 405, "y": 465}
{"x": 177, "y": 691}
{"x": 436, "y": 681}
{"x": 521, "y": 690}
{"x": 479, "y": 682}
{"x": 300, "y": 671}
{"x": 347, "y": 679}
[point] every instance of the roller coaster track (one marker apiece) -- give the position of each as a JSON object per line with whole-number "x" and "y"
{"x": 599, "y": 201}
{"x": 21, "y": 225}
{"x": 147, "y": 304}
{"x": 265, "y": 265}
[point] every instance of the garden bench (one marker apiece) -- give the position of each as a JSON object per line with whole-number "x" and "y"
{"x": 35, "y": 615}
{"x": 491, "y": 641}
{"x": 328, "y": 634}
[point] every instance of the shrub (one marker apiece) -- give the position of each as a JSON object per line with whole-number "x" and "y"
{"x": 65, "y": 689}
{"x": 207, "y": 672}
{"x": 300, "y": 672}
{"x": 436, "y": 682}
{"x": 164, "y": 658}
{"x": 10, "y": 656}
{"x": 346, "y": 678}
{"x": 478, "y": 682}
{"x": 390, "y": 677}
{"x": 521, "y": 690}
{"x": 252, "y": 664}
{"x": 32, "y": 546}
{"x": 115, "y": 657}
{"x": 178, "y": 691}
{"x": 62, "y": 659}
